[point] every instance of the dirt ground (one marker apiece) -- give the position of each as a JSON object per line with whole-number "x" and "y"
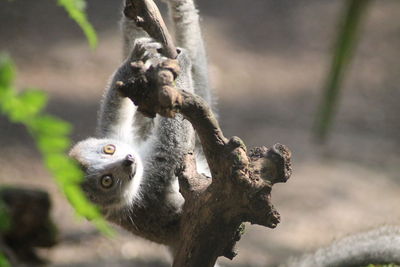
{"x": 268, "y": 60}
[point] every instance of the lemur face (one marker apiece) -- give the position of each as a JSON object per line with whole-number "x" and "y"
{"x": 113, "y": 171}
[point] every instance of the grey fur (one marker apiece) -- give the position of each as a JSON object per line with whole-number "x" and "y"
{"x": 130, "y": 33}
{"x": 378, "y": 246}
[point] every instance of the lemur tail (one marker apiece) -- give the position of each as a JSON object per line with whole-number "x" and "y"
{"x": 185, "y": 17}
{"x": 378, "y": 246}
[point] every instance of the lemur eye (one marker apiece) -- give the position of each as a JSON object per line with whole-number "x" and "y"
{"x": 106, "y": 181}
{"x": 109, "y": 149}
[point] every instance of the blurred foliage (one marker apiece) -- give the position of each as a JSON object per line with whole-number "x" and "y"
{"x": 5, "y": 219}
{"x": 3, "y": 261}
{"x": 5, "y": 223}
{"x": 76, "y": 11}
{"x": 51, "y": 136}
{"x": 384, "y": 265}
{"x": 349, "y": 29}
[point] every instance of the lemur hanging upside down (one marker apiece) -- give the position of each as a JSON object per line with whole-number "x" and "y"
{"x": 130, "y": 165}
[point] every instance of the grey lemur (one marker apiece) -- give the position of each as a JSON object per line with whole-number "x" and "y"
{"x": 130, "y": 165}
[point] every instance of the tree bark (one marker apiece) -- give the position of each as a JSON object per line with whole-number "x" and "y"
{"x": 240, "y": 189}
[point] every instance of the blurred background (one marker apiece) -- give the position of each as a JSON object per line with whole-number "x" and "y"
{"x": 268, "y": 63}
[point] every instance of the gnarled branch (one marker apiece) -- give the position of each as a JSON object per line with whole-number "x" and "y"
{"x": 241, "y": 184}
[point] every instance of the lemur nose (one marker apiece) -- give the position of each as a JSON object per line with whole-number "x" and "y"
{"x": 129, "y": 160}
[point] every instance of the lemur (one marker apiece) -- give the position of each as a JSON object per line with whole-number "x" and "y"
{"x": 130, "y": 165}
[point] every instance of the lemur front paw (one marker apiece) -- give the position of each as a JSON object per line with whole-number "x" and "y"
{"x": 146, "y": 54}
{"x": 145, "y": 49}
{"x": 155, "y": 77}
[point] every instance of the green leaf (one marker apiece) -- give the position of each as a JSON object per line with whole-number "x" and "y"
{"x": 7, "y": 95}
{"x": 75, "y": 9}
{"x": 104, "y": 227}
{"x": 50, "y": 126}
{"x": 346, "y": 41}
{"x": 7, "y": 71}
{"x": 78, "y": 199}
{"x": 64, "y": 169}
{"x": 52, "y": 144}
{"x": 32, "y": 102}
{"x": 56, "y": 162}
{"x": 12, "y": 107}
{"x": 24, "y": 107}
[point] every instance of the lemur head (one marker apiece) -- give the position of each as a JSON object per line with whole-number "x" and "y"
{"x": 113, "y": 171}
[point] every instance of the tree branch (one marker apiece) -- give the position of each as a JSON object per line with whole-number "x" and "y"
{"x": 240, "y": 188}
{"x": 147, "y": 16}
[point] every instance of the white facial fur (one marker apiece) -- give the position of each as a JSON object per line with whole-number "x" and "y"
{"x": 97, "y": 163}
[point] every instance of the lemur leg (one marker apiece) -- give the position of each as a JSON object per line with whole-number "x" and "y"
{"x": 116, "y": 115}
{"x": 172, "y": 138}
{"x": 118, "y": 118}
{"x": 185, "y": 18}
{"x": 116, "y": 112}
{"x": 142, "y": 126}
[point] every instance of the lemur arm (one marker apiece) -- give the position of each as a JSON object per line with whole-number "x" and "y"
{"x": 141, "y": 125}
{"x": 118, "y": 117}
{"x": 185, "y": 17}
{"x": 379, "y": 246}
{"x": 116, "y": 112}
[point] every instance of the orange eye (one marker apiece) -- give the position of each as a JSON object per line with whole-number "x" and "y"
{"x": 107, "y": 181}
{"x": 109, "y": 149}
